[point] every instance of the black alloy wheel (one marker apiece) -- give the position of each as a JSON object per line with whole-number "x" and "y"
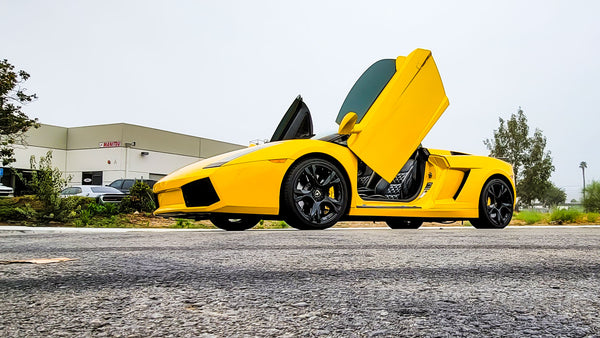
{"x": 315, "y": 195}
{"x": 495, "y": 205}
{"x": 231, "y": 222}
{"x": 404, "y": 223}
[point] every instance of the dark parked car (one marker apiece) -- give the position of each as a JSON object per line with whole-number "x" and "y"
{"x": 124, "y": 185}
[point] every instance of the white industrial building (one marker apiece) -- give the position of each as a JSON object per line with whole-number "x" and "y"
{"x": 101, "y": 154}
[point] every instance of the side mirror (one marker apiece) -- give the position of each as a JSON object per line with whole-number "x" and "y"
{"x": 348, "y": 123}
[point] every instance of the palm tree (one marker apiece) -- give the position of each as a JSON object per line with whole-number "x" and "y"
{"x": 583, "y": 165}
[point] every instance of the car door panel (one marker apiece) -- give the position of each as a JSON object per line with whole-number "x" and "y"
{"x": 401, "y": 116}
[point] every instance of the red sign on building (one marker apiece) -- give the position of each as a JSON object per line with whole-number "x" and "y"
{"x": 110, "y": 144}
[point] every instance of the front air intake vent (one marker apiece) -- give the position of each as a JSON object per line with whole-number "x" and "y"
{"x": 200, "y": 193}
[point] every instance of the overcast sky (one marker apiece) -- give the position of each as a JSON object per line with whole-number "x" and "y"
{"x": 228, "y": 70}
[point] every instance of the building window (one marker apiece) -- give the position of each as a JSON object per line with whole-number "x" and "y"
{"x": 91, "y": 178}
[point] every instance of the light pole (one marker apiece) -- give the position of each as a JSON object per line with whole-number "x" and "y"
{"x": 583, "y": 165}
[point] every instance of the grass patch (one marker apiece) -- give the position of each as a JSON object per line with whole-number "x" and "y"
{"x": 561, "y": 216}
{"x": 530, "y": 217}
{"x": 271, "y": 225}
{"x": 184, "y": 223}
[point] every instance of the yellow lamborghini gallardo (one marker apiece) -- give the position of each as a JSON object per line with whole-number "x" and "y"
{"x": 373, "y": 168}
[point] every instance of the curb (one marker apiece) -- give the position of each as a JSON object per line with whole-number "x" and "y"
{"x": 41, "y": 230}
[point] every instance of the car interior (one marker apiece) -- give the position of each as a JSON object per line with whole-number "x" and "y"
{"x": 404, "y": 187}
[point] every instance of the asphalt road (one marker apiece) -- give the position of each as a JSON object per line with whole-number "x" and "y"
{"x": 430, "y": 282}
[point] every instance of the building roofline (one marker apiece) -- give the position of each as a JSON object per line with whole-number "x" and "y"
{"x": 139, "y": 126}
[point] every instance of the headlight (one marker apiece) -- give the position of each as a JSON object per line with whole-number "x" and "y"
{"x": 235, "y": 155}
{"x": 217, "y": 164}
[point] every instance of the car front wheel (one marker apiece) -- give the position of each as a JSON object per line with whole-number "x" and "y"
{"x": 315, "y": 194}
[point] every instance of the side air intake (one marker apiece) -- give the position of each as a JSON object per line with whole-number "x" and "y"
{"x": 200, "y": 193}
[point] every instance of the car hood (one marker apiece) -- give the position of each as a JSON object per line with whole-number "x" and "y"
{"x": 192, "y": 170}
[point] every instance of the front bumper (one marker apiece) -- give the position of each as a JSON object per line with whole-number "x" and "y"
{"x": 246, "y": 188}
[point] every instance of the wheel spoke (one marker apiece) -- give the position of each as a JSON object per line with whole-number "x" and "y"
{"x": 503, "y": 191}
{"x": 315, "y": 212}
{"x": 299, "y": 198}
{"x": 334, "y": 203}
{"x": 331, "y": 180}
{"x": 494, "y": 213}
{"x": 310, "y": 174}
{"x": 492, "y": 194}
{"x": 507, "y": 209}
{"x": 498, "y": 217}
{"x": 301, "y": 194}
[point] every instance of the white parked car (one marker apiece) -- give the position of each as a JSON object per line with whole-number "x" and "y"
{"x": 101, "y": 193}
{"x": 6, "y": 191}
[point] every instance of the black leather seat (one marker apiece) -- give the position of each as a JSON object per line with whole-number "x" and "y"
{"x": 402, "y": 186}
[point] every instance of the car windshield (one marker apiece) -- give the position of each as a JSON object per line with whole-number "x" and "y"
{"x": 331, "y": 136}
{"x": 367, "y": 88}
{"x": 105, "y": 190}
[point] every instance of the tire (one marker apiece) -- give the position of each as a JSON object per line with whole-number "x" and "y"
{"x": 495, "y": 205}
{"x": 232, "y": 222}
{"x": 404, "y": 223}
{"x": 314, "y": 195}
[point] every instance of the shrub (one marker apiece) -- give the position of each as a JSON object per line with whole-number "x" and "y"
{"x": 22, "y": 208}
{"x": 530, "y": 217}
{"x": 70, "y": 207}
{"x": 85, "y": 218}
{"x": 106, "y": 209}
{"x": 591, "y": 202}
{"x": 565, "y": 215}
{"x": 86, "y": 213}
{"x": 592, "y": 217}
{"x": 140, "y": 198}
{"x": 23, "y": 213}
{"x": 46, "y": 183}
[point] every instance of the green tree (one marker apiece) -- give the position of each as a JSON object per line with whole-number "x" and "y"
{"x": 13, "y": 122}
{"x": 531, "y": 162}
{"x": 553, "y": 196}
{"x": 591, "y": 201}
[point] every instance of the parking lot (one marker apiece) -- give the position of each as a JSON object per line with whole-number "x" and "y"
{"x": 520, "y": 281}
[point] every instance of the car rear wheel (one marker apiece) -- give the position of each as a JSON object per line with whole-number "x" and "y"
{"x": 232, "y": 222}
{"x": 404, "y": 223}
{"x": 315, "y": 195}
{"x": 495, "y": 205}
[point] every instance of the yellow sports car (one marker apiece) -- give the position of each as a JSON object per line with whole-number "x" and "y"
{"x": 373, "y": 168}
